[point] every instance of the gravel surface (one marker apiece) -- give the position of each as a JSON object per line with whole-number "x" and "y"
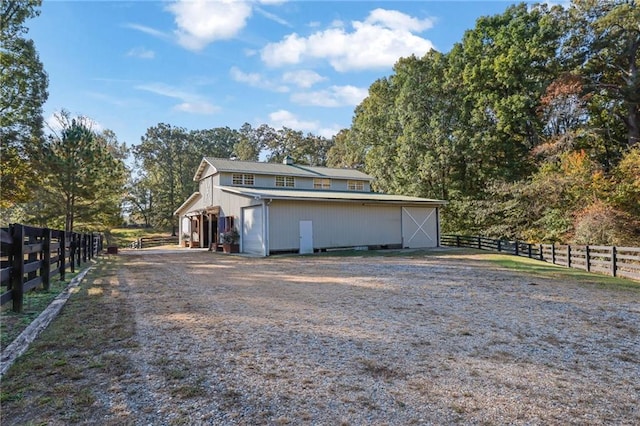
{"x": 329, "y": 340}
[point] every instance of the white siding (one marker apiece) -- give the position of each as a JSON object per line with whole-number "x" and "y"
{"x": 334, "y": 224}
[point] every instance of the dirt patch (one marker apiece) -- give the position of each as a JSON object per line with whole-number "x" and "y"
{"x": 198, "y": 337}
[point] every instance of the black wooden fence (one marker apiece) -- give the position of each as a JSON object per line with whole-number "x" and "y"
{"x": 146, "y": 242}
{"x": 30, "y": 257}
{"x": 615, "y": 261}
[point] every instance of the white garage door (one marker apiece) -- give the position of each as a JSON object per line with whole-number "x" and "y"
{"x": 419, "y": 227}
{"x": 252, "y": 241}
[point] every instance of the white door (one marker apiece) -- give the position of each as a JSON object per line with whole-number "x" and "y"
{"x": 419, "y": 227}
{"x": 306, "y": 236}
{"x": 252, "y": 240}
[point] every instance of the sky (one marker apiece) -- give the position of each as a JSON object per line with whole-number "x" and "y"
{"x": 305, "y": 65}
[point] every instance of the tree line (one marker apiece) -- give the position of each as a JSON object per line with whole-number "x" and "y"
{"x": 71, "y": 176}
{"x": 529, "y": 127}
{"x": 167, "y": 158}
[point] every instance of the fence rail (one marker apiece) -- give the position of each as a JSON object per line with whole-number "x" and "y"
{"x": 30, "y": 257}
{"x": 146, "y": 242}
{"x": 614, "y": 261}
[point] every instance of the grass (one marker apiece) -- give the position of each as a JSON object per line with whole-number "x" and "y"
{"x": 543, "y": 269}
{"x": 123, "y": 237}
{"x": 35, "y": 301}
{"x": 58, "y": 379}
{"x": 514, "y": 263}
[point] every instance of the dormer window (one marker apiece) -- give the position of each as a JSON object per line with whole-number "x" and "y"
{"x": 321, "y": 183}
{"x": 242, "y": 179}
{"x": 285, "y": 181}
{"x": 355, "y": 185}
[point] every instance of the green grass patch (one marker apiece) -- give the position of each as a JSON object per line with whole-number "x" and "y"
{"x": 123, "y": 237}
{"x": 60, "y": 377}
{"x": 543, "y": 269}
{"x": 35, "y": 301}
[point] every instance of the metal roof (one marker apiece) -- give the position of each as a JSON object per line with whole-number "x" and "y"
{"x": 322, "y": 195}
{"x": 236, "y": 166}
{"x": 188, "y": 201}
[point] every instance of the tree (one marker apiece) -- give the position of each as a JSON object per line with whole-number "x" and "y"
{"x": 23, "y": 91}
{"x": 604, "y": 46}
{"x": 509, "y": 59}
{"x": 248, "y": 146}
{"x": 345, "y": 151}
{"x": 83, "y": 174}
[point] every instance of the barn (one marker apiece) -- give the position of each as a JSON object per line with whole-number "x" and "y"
{"x": 288, "y": 207}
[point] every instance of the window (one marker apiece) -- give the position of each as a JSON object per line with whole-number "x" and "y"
{"x": 285, "y": 181}
{"x": 355, "y": 185}
{"x": 322, "y": 183}
{"x": 242, "y": 179}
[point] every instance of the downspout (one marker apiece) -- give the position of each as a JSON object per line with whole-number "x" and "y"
{"x": 265, "y": 225}
{"x": 438, "y": 226}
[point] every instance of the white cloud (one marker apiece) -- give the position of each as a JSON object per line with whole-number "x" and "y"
{"x": 334, "y": 96}
{"x": 395, "y": 20}
{"x": 56, "y": 121}
{"x": 149, "y": 30}
{"x": 256, "y": 80}
{"x": 275, "y": 18}
{"x": 377, "y": 42}
{"x": 302, "y": 78}
{"x": 141, "y": 53}
{"x": 201, "y": 22}
{"x": 284, "y": 118}
{"x": 329, "y": 132}
{"x": 189, "y": 102}
{"x": 200, "y": 107}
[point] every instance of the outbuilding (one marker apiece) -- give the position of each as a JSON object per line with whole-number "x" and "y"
{"x": 290, "y": 207}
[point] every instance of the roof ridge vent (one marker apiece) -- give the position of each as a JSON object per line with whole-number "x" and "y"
{"x": 287, "y": 160}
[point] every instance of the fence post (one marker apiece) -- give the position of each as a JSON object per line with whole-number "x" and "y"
{"x": 499, "y": 246}
{"x": 568, "y": 256}
{"x": 587, "y": 258}
{"x": 517, "y": 248}
{"x": 553, "y": 253}
{"x": 45, "y": 269}
{"x": 78, "y": 249}
{"x": 457, "y": 241}
{"x": 529, "y": 250}
{"x": 72, "y": 251}
{"x": 32, "y": 257}
{"x": 614, "y": 262}
{"x": 17, "y": 279}
{"x": 541, "y": 253}
{"x": 62, "y": 253}
{"x": 84, "y": 247}
{"x": 479, "y": 243}
{"x": 140, "y": 243}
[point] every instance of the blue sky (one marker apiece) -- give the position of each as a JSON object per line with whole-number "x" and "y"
{"x": 204, "y": 64}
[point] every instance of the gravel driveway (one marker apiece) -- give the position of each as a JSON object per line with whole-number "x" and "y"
{"x": 402, "y": 338}
{"x": 375, "y": 340}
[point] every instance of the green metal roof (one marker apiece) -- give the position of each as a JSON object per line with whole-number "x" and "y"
{"x": 322, "y": 195}
{"x": 236, "y": 166}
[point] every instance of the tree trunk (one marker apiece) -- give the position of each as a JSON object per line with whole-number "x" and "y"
{"x": 633, "y": 118}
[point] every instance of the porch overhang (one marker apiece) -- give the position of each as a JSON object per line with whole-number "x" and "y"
{"x": 214, "y": 210}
